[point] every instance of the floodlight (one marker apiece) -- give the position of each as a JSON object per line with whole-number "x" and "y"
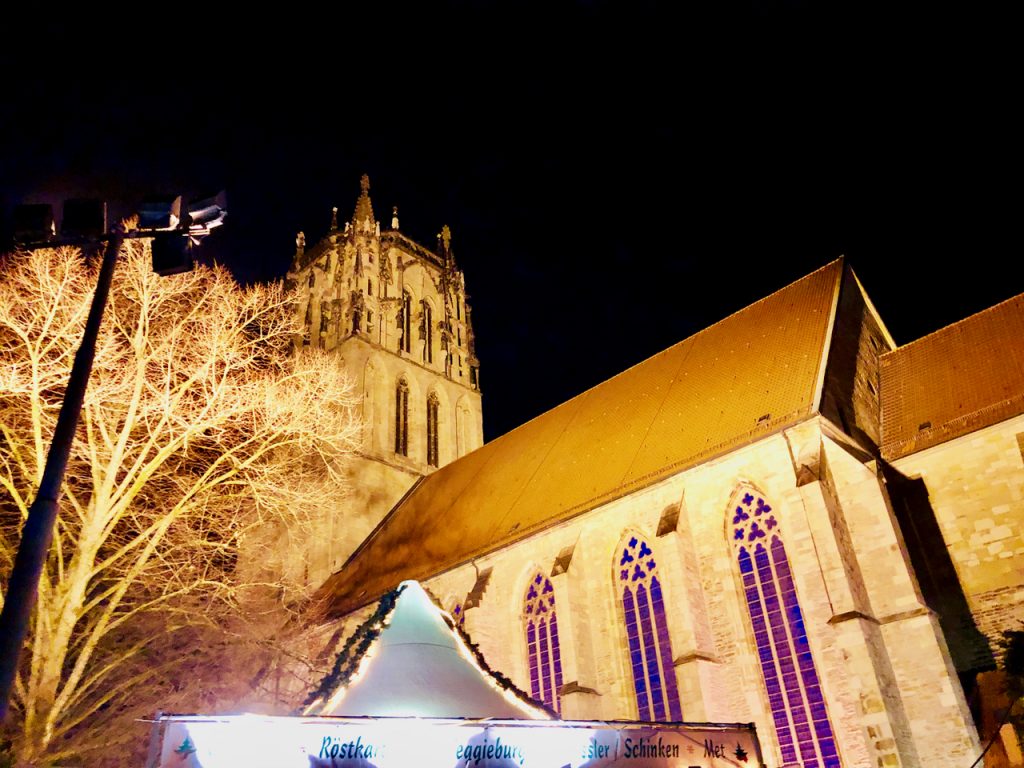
{"x": 207, "y": 213}
{"x": 84, "y": 218}
{"x": 171, "y": 254}
{"x": 160, "y": 213}
{"x": 33, "y": 223}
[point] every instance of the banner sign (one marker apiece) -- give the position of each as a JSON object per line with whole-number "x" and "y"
{"x": 293, "y": 742}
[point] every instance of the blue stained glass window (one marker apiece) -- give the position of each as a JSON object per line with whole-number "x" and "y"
{"x": 794, "y": 691}
{"x": 650, "y": 650}
{"x": 764, "y": 650}
{"x": 556, "y": 652}
{"x": 784, "y": 658}
{"x": 671, "y": 691}
{"x": 636, "y": 656}
{"x": 545, "y": 663}
{"x": 531, "y": 644}
{"x": 650, "y": 653}
{"x": 543, "y": 652}
{"x": 819, "y": 713}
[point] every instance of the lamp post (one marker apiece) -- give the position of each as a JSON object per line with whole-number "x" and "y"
{"x": 37, "y": 532}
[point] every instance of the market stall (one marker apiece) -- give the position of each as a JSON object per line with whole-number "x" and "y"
{"x": 408, "y": 690}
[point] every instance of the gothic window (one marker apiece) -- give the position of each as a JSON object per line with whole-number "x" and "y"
{"x": 428, "y": 333}
{"x": 650, "y": 650}
{"x": 405, "y": 322}
{"x": 356, "y": 316}
{"x": 369, "y": 287}
{"x": 542, "y": 648}
{"x": 402, "y": 418}
{"x": 794, "y": 691}
{"x": 432, "y": 406}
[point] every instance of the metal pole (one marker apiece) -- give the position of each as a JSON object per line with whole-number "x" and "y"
{"x": 42, "y": 515}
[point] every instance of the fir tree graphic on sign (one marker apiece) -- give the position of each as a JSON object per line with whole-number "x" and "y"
{"x": 187, "y": 748}
{"x": 741, "y": 753}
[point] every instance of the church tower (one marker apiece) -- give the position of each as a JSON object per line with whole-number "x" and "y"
{"x": 395, "y": 313}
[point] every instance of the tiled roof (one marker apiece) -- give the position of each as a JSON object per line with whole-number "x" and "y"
{"x": 748, "y": 375}
{"x": 961, "y": 378}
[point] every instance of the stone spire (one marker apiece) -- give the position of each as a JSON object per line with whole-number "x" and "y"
{"x": 363, "y": 219}
{"x": 444, "y": 246}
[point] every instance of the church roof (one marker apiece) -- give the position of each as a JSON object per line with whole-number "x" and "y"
{"x": 961, "y": 378}
{"x": 749, "y": 375}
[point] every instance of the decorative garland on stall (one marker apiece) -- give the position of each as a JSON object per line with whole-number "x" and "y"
{"x": 503, "y": 682}
{"x": 347, "y": 661}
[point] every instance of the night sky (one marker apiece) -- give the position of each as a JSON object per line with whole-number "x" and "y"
{"x": 616, "y": 176}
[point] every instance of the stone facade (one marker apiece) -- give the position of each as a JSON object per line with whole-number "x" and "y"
{"x": 397, "y": 316}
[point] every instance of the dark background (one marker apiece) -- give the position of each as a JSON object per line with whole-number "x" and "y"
{"x": 616, "y": 176}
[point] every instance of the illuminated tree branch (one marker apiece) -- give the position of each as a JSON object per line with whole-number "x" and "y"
{"x": 204, "y": 443}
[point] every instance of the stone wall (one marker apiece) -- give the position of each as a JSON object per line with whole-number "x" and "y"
{"x": 975, "y": 485}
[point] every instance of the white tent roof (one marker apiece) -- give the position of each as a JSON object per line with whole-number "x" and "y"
{"x": 420, "y": 667}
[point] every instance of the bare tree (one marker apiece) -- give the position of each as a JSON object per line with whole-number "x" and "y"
{"x": 206, "y": 445}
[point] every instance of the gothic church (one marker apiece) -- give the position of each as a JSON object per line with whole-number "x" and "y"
{"x": 785, "y": 519}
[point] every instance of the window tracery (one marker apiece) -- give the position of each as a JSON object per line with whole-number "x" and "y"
{"x": 650, "y": 649}
{"x": 791, "y": 680}
{"x": 544, "y": 656}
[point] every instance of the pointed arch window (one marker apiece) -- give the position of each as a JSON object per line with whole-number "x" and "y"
{"x": 433, "y": 405}
{"x": 650, "y": 650}
{"x": 428, "y": 332}
{"x": 794, "y": 691}
{"x": 405, "y": 323}
{"x": 402, "y": 418}
{"x": 544, "y": 654}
